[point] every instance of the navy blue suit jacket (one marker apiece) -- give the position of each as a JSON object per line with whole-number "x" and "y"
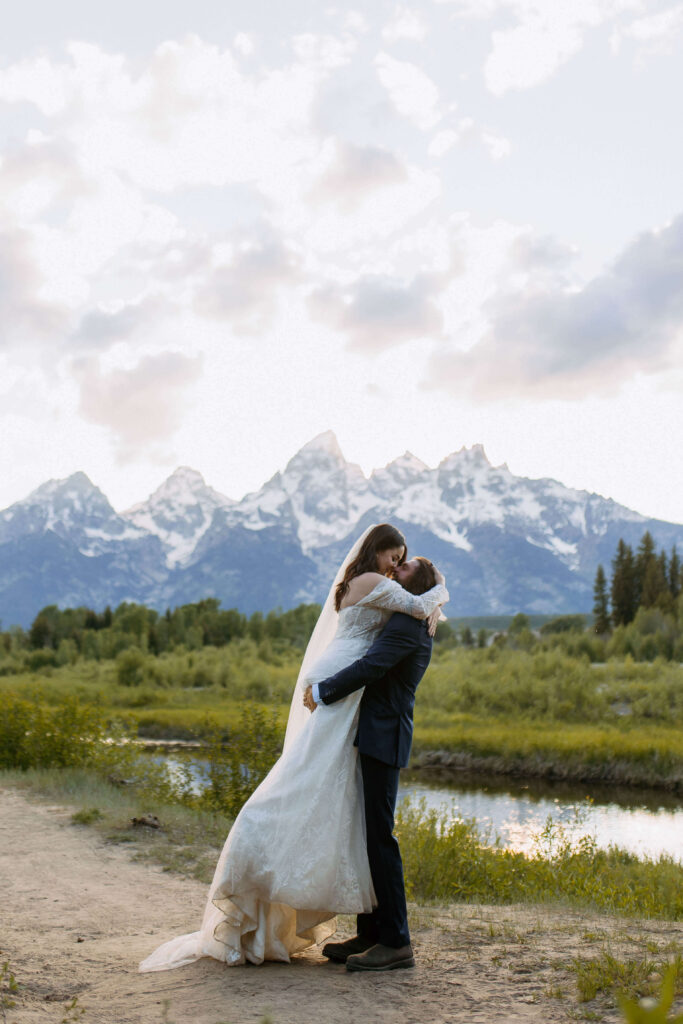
{"x": 390, "y": 673}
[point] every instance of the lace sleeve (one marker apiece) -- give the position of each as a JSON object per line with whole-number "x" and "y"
{"x": 390, "y": 594}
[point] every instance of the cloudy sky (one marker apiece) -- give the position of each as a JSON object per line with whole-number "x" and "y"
{"x": 228, "y": 226}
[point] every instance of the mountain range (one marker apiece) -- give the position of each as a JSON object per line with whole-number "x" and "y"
{"x": 505, "y": 543}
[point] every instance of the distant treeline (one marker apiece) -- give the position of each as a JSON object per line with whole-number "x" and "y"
{"x": 60, "y": 636}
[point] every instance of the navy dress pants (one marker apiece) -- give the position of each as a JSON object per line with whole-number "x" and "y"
{"x": 388, "y": 922}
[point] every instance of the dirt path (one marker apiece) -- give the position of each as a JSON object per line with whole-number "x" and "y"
{"x": 77, "y": 915}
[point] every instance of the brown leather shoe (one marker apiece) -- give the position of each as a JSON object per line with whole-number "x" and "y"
{"x": 339, "y": 951}
{"x": 381, "y": 958}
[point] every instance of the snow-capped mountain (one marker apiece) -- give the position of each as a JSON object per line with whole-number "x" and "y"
{"x": 178, "y": 513}
{"x": 505, "y": 543}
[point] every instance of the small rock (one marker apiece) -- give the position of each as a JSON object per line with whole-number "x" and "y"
{"x": 116, "y": 780}
{"x": 79, "y": 939}
{"x": 148, "y": 820}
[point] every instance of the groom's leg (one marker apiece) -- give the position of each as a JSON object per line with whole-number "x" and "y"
{"x": 388, "y": 923}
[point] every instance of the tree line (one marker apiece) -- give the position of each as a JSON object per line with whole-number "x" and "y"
{"x": 643, "y": 579}
{"x": 57, "y": 636}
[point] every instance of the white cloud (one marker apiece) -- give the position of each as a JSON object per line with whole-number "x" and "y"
{"x": 497, "y": 147}
{"x": 324, "y": 52}
{"x": 244, "y": 282}
{"x": 378, "y": 312}
{"x": 142, "y": 405}
{"x": 357, "y": 224}
{"x": 442, "y": 142}
{"x": 546, "y": 35}
{"x": 546, "y": 339}
{"x": 106, "y": 324}
{"x": 26, "y": 315}
{"x": 657, "y": 33}
{"x": 244, "y": 43}
{"x": 190, "y": 116}
{"x": 412, "y": 92}
{"x": 468, "y": 132}
{"x": 405, "y": 23}
{"x": 355, "y": 172}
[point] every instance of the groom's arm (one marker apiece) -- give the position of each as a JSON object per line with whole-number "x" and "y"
{"x": 399, "y": 638}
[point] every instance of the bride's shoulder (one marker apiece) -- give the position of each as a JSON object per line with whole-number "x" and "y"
{"x": 361, "y": 586}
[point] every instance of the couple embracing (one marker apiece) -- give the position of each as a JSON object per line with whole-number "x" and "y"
{"x": 315, "y": 839}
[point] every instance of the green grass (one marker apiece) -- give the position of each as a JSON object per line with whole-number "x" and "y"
{"x": 626, "y": 754}
{"x": 542, "y": 713}
{"x": 446, "y": 860}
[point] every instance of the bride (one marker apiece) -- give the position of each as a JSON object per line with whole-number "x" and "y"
{"x": 296, "y": 854}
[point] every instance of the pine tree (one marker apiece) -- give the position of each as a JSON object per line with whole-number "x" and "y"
{"x": 623, "y": 586}
{"x": 655, "y": 584}
{"x": 645, "y": 555}
{"x": 674, "y": 574}
{"x": 600, "y": 610}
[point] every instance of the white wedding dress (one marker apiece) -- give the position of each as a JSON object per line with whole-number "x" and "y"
{"x": 296, "y": 855}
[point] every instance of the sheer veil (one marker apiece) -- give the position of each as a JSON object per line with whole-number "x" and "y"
{"x": 321, "y": 637}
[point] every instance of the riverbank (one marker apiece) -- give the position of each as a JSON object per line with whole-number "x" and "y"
{"x": 80, "y": 912}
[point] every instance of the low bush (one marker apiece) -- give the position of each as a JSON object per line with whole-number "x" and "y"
{"x": 34, "y": 735}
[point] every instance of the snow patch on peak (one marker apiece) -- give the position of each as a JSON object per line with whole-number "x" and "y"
{"x": 408, "y": 463}
{"x": 466, "y": 458}
{"x": 184, "y": 487}
{"x": 179, "y": 512}
{"x": 78, "y": 486}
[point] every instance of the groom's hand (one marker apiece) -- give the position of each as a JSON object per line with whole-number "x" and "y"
{"x": 308, "y": 699}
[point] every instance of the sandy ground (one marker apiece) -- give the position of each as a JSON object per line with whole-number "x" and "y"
{"x": 78, "y": 914}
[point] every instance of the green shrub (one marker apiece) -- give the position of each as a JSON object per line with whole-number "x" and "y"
{"x": 33, "y": 735}
{"x": 238, "y": 766}
{"x": 42, "y": 659}
{"x": 131, "y": 667}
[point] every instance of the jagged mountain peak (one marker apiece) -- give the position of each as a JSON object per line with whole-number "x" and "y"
{"x": 325, "y": 442}
{"x": 66, "y": 500}
{"x": 408, "y": 462}
{"x": 179, "y": 512}
{"x": 77, "y": 484}
{"x": 466, "y": 459}
{"x": 510, "y": 542}
{"x": 322, "y": 450}
{"x": 399, "y": 474}
{"x": 320, "y": 459}
{"x": 185, "y": 486}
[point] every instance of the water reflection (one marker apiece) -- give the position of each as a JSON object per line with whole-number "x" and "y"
{"x": 644, "y": 822}
{"x": 647, "y": 823}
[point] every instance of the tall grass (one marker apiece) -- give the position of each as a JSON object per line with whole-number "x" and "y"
{"x": 447, "y": 860}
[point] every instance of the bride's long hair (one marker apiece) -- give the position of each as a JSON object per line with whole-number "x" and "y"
{"x": 381, "y": 538}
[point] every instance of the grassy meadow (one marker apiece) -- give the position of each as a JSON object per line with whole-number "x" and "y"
{"x": 542, "y": 712}
{"x": 544, "y": 705}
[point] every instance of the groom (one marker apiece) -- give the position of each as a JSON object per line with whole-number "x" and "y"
{"x": 390, "y": 673}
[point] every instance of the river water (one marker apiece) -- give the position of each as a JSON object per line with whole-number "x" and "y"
{"x": 645, "y": 822}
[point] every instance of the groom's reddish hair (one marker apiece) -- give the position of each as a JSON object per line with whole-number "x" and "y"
{"x": 423, "y": 579}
